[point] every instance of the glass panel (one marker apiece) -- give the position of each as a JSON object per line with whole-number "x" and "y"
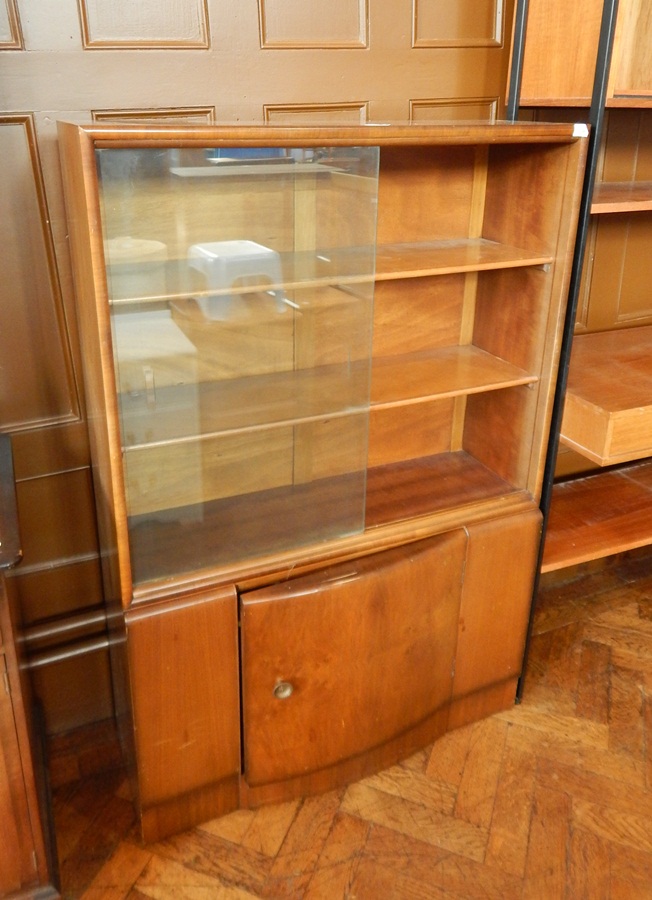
{"x": 241, "y": 287}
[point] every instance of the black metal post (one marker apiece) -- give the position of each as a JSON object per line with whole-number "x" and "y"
{"x": 596, "y": 121}
{"x": 516, "y": 69}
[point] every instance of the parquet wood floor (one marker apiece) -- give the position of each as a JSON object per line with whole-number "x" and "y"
{"x": 552, "y": 799}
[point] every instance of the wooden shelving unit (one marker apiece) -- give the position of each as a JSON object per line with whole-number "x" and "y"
{"x": 599, "y": 515}
{"x": 305, "y": 474}
{"x": 606, "y": 379}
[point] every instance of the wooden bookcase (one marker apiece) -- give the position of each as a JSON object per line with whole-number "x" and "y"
{"x": 606, "y": 74}
{"x": 313, "y": 477}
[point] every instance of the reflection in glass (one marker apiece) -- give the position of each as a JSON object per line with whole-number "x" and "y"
{"x": 240, "y": 285}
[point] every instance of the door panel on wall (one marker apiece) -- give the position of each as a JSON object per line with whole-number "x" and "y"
{"x": 350, "y": 61}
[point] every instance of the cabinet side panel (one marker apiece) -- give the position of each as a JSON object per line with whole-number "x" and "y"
{"x": 13, "y": 807}
{"x": 526, "y": 188}
{"x": 367, "y": 647}
{"x": 18, "y": 840}
{"x": 496, "y": 599}
{"x": 494, "y": 428}
{"x": 549, "y": 178}
{"x": 183, "y": 664}
{"x": 513, "y": 302}
{"x": 78, "y": 170}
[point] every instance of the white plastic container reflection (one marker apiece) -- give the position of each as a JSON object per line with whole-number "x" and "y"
{"x": 223, "y": 263}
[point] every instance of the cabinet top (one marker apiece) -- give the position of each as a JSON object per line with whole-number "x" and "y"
{"x": 471, "y": 132}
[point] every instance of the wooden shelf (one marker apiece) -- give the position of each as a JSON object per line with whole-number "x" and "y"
{"x": 245, "y": 405}
{"x": 619, "y": 197}
{"x": 448, "y": 372}
{"x": 235, "y": 529}
{"x": 431, "y": 484}
{"x": 629, "y": 101}
{"x": 447, "y": 257}
{"x": 599, "y": 515}
{"x": 234, "y": 168}
{"x": 278, "y": 400}
{"x": 572, "y": 53}
{"x": 340, "y": 267}
{"x": 608, "y": 408}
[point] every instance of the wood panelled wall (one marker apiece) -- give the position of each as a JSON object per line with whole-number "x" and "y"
{"x": 199, "y": 60}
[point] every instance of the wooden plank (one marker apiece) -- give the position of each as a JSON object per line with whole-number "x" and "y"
{"x": 442, "y": 257}
{"x": 420, "y": 377}
{"x": 82, "y": 204}
{"x": 623, "y": 196}
{"x": 288, "y": 398}
{"x": 490, "y": 643}
{"x": 233, "y": 530}
{"x": 435, "y": 483}
{"x": 630, "y": 70}
{"x": 350, "y": 266}
{"x": 608, "y": 411}
{"x": 433, "y": 134}
{"x": 599, "y": 515}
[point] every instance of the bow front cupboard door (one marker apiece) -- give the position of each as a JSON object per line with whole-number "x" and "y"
{"x": 351, "y": 668}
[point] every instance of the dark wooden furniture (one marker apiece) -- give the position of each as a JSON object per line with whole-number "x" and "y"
{"x": 24, "y": 862}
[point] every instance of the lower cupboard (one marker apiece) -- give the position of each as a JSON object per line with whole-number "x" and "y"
{"x": 243, "y": 697}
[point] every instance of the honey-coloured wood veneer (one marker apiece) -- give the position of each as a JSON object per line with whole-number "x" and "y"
{"x": 598, "y": 515}
{"x": 313, "y": 480}
{"x": 606, "y": 410}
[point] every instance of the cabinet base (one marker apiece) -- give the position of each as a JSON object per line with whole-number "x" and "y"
{"x": 481, "y": 704}
{"x": 351, "y": 769}
{"x": 464, "y": 711}
{"x": 181, "y": 813}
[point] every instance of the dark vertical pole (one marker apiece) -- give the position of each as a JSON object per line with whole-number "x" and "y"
{"x": 516, "y": 68}
{"x": 596, "y": 122}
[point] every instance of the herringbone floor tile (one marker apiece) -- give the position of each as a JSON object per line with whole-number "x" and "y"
{"x": 551, "y": 799}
